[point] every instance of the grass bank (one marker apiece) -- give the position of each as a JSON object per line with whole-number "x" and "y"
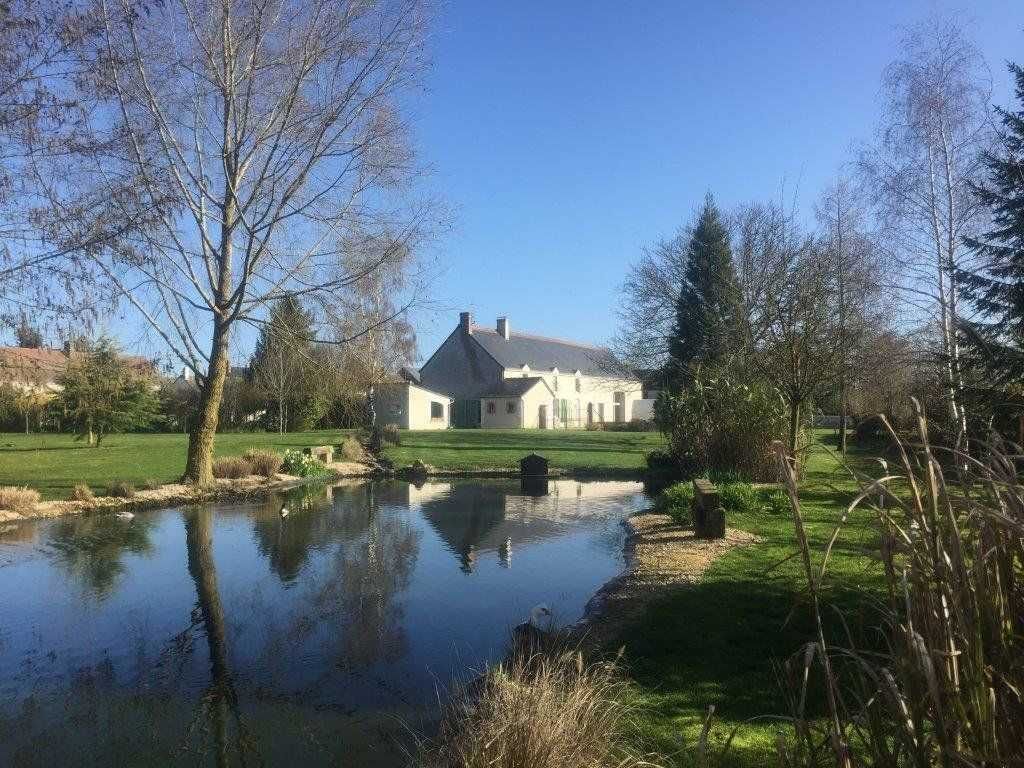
{"x": 479, "y": 449}
{"x": 719, "y": 642}
{"x": 53, "y": 464}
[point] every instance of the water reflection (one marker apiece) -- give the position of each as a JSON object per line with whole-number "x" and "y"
{"x": 92, "y": 548}
{"x": 219, "y": 703}
{"x": 225, "y": 635}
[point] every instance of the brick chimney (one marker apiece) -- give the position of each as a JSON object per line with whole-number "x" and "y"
{"x": 503, "y": 329}
{"x": 466, "y": 322}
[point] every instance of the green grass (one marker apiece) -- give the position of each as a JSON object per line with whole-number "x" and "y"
{"x": 467, "y": 449}
{"x": 721, "y": 641}
{"x": 53, "y": 464}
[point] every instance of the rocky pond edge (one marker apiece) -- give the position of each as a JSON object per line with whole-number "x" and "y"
{"x": 174, "y": 494}
{"x": 661, "y": 556}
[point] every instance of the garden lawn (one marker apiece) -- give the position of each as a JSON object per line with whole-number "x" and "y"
{"x": 478, "y": 449}
{"x": 722, "y": 640}
{"x": 53, "y": 464}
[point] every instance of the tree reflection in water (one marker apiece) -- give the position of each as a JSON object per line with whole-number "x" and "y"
{"x": 92, "y": 547}
{"x": 371, "y": 567}
{"x": 219, "y": 704}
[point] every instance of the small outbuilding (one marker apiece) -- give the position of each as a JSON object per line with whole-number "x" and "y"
{"x": 407, "y": 405}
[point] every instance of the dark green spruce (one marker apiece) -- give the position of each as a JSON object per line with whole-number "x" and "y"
{"x": 997, "y": 288}
{"x": 707, "y": 313}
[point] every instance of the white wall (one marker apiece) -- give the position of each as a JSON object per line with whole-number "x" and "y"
{"x": 643, "y": 410}
{"x": 407, "y": 406}
{"x": 593, "y": 389}
{"x": 501, "y": 418}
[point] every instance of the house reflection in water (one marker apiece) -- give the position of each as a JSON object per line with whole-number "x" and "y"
{"x": 475, "y": 520}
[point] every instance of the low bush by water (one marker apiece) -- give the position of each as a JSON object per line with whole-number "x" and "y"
{"x": 540, "y": 712}
{"x": 263, "y": 462}
{"x": 20, "y": 500}
{"x": 232, "y": 468}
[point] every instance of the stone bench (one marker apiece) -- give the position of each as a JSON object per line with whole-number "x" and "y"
{"x": 708, "y": 515}
{"x": 324, "y": 453}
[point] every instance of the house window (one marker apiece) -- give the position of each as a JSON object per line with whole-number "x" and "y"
{"x": 510, "y": 406}
{"x": 436, "y": 411}
{"x": 490, "y": 406}
{"x": 579, "y": 387}
{"x": 600, "y": 411}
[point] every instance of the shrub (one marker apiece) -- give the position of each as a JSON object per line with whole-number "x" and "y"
{"x": 352, "y": 450}
{"x": 232, "y": 468}
{"x": 18, "y": 499}
{"x": 720, "y": 424}
{"x": 662, "y": 470}
{"x": 121, "y": 489}
{"x": 539, "y": 712}
{"x": 151, "y": 484}
{"x": 263, "y": 462}
{"x": 390, "y": 434}
{"x": 740, "y": 498}
{"x": 303, "y": 465}
{"x": 82, "y": 492}
{"x": 777, "y": 504}
{"x": 677, "y": 502}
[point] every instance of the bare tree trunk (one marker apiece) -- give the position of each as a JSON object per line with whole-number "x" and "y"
{"x": 199, "y": 465}
{"x": 794, "y": 427}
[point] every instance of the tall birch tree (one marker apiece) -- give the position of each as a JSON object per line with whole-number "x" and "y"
{"x": 934, "y": 128}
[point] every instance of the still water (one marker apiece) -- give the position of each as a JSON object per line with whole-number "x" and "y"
{"x": 224, "y": 635}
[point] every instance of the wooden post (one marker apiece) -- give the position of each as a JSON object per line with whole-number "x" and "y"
{"x": 708, "y": 516}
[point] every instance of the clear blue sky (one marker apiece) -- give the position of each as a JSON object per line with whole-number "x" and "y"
{"x": 567, "y": 135}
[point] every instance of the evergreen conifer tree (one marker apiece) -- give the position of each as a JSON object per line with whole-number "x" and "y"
{"x": 707, "y": 313}
{"x": 997, "y": 289}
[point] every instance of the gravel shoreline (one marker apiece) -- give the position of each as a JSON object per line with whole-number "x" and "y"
{"x": 660, "y": 557}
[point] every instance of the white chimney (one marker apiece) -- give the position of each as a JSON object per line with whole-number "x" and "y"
{"x": 503, "y": 329}
{"x": 466, "y": 322}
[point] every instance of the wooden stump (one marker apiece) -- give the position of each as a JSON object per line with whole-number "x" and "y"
{"x": 708, "y": 515}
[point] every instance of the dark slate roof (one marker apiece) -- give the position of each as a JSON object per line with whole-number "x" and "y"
{"x": 516, "y": 387}
{"x": 543, "y": 354}
{"x": 410, "y": 374}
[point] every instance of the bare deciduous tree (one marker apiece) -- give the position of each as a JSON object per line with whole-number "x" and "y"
{"x": 647, "y": 305}
{"x": 859, "y": 299}
{"x": 258, "y": 137}
{"x": 790, "y": 294}
{"x": 935, "y": 125}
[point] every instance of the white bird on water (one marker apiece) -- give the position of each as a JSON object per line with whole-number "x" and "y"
{"x": 529, "y": 637}
{"x": 124, "y": 515}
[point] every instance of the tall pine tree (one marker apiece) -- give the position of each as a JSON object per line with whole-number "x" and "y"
{"x": 708, "y": 310}
{"x": 997, "y": 289}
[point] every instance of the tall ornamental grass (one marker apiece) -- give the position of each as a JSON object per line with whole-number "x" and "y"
{"x": 946, "y": 685}
{"x": 539, "y": 711}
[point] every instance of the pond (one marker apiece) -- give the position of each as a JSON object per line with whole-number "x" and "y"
{"x": 223, "y": 634}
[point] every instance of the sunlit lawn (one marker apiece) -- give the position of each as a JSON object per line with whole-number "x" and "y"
{"x": 464, "y": 449}
{"x": 53, "y": 464}
{"x": 720, "y": 641}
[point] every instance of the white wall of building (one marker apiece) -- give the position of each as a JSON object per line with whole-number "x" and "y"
{"x": 594, "y": 390}
{"x": 408, "y": 406}
{"x": 526, "y": 410}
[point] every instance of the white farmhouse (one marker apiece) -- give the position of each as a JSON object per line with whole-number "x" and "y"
{"x": 495, "y": 377}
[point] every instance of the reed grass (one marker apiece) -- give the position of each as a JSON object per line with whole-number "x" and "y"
{"x": 540, "y": 711}
{"x": 945, "y": 687}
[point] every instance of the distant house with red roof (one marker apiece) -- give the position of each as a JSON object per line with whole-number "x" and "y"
{"x": 40, "y": 368}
